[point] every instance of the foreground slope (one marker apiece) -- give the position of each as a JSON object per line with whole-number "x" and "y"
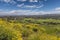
{"x": 29, "y": 29}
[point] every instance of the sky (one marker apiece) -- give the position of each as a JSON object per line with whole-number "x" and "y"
{"x": 29, "y": 7}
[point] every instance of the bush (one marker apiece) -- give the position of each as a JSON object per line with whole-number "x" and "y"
{"x": 9, "y": 34}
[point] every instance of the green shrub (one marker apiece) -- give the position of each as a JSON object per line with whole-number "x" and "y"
{"x": 9, "y": 34}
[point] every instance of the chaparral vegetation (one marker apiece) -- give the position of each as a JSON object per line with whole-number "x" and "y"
{"x": 29, "y": 29}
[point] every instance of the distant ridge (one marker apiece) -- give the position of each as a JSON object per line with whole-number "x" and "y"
{"x": 53, "y": 16}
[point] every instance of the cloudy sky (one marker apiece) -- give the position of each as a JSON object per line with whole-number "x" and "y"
{"x": 29, "y": 7}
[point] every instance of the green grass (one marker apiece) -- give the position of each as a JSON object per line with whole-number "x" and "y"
{"x": 30, "y": 29}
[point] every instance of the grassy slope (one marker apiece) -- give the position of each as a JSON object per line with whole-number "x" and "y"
{"x": 30, "y": 29}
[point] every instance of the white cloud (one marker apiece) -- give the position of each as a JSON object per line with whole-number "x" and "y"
{"x": 58, "y": 8}
{"x": 28, "y": 6}
{"x": 7, "y": 1}
{"x": 40, "y": 6}
{"x": 21, "y": 12}
{"x": 12, "y": 2}
{"x": 33, "y": 0}
{"x": 34, "y": 6}
{"x": 28, "y": 12}
{"x": 20, "y": 5}
{"x": 3, "y": 13}
{"x": 22, "y": 0}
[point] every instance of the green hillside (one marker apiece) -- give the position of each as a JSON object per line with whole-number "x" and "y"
{"x": 29, "y": 29}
